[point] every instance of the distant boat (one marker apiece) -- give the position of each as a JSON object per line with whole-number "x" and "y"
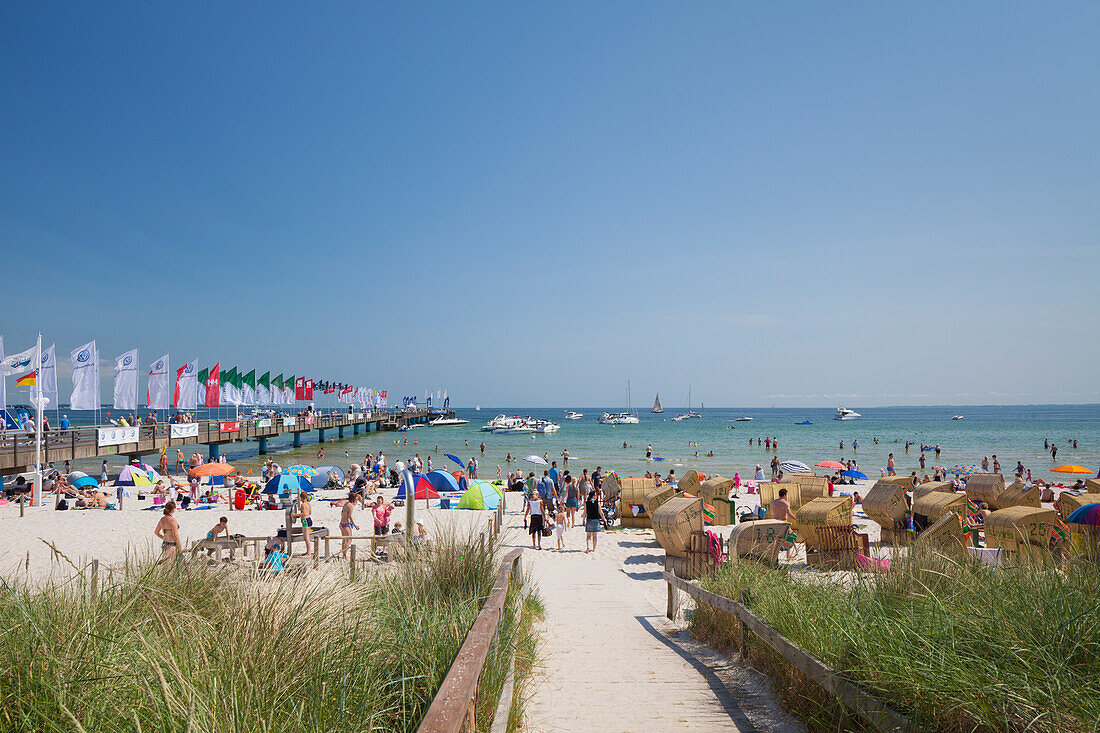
{"x": 688, "y": 414}
{"x": 743, "y": 418}
{"x": 957, "y": 417}
{"x": 657, "y": 404}
{"x": 478, "y": 408}
{"x": 570, "y": 415}
{"x": 804, "y": 422}
{"x": 843, "y": 413}
{"x": 442, "y": 422}
{"x": 630, "y": 417}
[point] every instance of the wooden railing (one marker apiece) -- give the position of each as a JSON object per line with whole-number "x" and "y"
{"x": 454, "y": 708}
{"x": 876, "y": 713}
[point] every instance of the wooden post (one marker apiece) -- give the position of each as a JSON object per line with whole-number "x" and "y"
{"x": 316, "y": 551}
{"x": 22, "y": 500}
{"x": 95, "y": 578}
{"x": 673, "y": 600}
{"x": 328, "y": 551}
{"x": 351, "y": 572}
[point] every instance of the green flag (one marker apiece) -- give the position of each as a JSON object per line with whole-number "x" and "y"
{"x": 277, "y": 382}
{"x": 204, "y": 374}
{"x": 250, "y": 379}
{"x": 265, "y": 380}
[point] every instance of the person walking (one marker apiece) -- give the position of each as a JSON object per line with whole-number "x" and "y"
{"x": 534, "y": 509}
{"x": 593, "y": 517}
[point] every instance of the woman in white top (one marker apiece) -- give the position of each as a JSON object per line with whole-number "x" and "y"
{"x": 534, "y": 508}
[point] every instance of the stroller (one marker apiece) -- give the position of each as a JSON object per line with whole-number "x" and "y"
{"x": 610, "y": 511}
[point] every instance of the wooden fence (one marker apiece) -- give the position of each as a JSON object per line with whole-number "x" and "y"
{"x": 848, "y": 693}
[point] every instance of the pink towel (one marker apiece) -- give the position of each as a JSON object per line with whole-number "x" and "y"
{"x": 880, "y": 565}
{"x": 714, "y": 544}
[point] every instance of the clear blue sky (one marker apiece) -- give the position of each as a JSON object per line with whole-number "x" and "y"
{"x": 529, "y": 204}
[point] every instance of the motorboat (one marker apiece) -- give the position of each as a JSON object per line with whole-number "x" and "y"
{"x": 502, "y": 421}
{"x": 444, "y": 422}
{"x": 688, "y": 413}
{"x": 513, "y": 430}
{"x": 957, "y": 417}
{"x": 630, "y": 417}
{"x": 570, "y": 415}
{"x": 843, "y": 413}
{"x": 543, "y": 426}
{"x": 804, "y": 422}
{"x": 743, "y": 418}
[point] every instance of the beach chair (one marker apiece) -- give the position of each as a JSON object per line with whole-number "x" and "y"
{"x": 837, "y": 547}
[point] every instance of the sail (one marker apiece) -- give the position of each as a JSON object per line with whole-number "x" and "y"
{"x": 657, "y": 404}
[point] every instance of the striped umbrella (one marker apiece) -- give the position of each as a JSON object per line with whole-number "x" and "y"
{"x": 794, "y": 467}
{"x": 301, "y": 470}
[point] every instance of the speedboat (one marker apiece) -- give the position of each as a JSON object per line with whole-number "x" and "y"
{"x": 957, "y": 417}
{"x": 503, "y": 421}
{"x": 743, "y": 418}
{"x": 443, "y": 422}
{"x": 618, "y": 418}
{"x": 570, "y": 415}
{"x": 689, "y": 415}
{"x": 804, "y": 422}
{"x": 514, "y": 429}
{"x": 543, "y": 426}
{"x": 843, "y": 413}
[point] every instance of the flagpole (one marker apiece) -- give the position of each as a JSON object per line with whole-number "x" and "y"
{"x": 36, "y": 495}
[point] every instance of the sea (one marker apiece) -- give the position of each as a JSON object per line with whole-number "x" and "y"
{"x": 717, "y": 443}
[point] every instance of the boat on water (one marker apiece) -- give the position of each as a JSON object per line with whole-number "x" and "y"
{"x": 630, "y": 417}
{"x": 445, "y": 422}
{"x": 743, "y": 418}
{"x": 543, "y": 426}
{"x": 478, "y": 408}
{"x": 688, "y": 413}
{"x": 513, "y": 430}
{"x": 657, "y": 404}
{"x": 804, "y": 422}
{"x": 957, "y": 417}
{"x": 570, "y": 415}
{"x": 843, "y": 413}
{"x": 501, "y": 421}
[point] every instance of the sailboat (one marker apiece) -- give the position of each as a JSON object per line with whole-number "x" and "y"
{"x": 630, "y": 417}
{"x": 688, "y": 414}
{"x": 657, "y": 404}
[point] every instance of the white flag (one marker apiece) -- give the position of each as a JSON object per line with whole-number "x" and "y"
{"x": 288, "y": 394}
{"x": 85, "y": 377}
{"x": 248, "y": 395}
{"x": 48, "y": 375}
{"x": 126, "y": 380}
{"x": 186, "y": 396}
{"x": 20, "y": 363}
{"x": 157, "y": 394}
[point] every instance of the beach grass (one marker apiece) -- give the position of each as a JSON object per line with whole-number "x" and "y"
{"x": 193, "y": 647}
{"x": 953, "y": 645}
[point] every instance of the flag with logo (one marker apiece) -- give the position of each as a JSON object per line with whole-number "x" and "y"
{"x": 126, "y": 380}
{"x": 186, "y": 394}
{"x": 85, "y": 395}
{"x": 309, "y": 389}
{"x": 212, "y": 380}
{"x": 48, "y": 374}
{"x": 20, "y": 363}
{"x": 156, "y": 395}
{"x": 300, "y": 388}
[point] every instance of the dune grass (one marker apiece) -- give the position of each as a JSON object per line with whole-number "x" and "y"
{"x": 189, "y": 647}
{"x": 953, "y": 645}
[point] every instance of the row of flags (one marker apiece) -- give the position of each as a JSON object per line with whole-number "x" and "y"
{"x": 185, "y": 389}
{"x": 411, "y": 400}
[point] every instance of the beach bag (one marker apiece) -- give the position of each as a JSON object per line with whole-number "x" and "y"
{"x": 62, "y": 505}
{"x": 547, "y": 530}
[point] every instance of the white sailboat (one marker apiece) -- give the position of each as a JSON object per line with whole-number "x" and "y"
{"x": 657, "y": 404}
{"x": 688, "y": 414}
{"x": 630, "y": 417}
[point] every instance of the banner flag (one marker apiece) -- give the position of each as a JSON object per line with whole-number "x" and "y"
{"x": 277, "y": 390}
{"x": 248, "y": 388}
{"x": 156, "y": 394}
{"x": 186, "y": 394}
{"x": 19, "y": 363}
{"x": 263, "y": 389}
{"x": 212, "y": 381}
{"x": 228, "y": 377}
{"x": 309, "y": 389}
{"x": 126, "y": 380}
{"x": 382, "y": 398}
{"x": 85, "y": 394}
{"x": 300, "y": 388}
{"x": 48, "y": 375}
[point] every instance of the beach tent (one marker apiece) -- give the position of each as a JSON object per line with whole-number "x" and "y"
{"x": 131, "y": 476}
{"x": 286, "y": 483}
{"x": 424, "y": 488}
{"x": 442, "y": 481}
{"x": 79, "y": 480}
{"x": 321, "y": 478}
{"x": 480, "y": 495}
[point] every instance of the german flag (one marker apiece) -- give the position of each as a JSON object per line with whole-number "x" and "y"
{"x": 27, "y": 380}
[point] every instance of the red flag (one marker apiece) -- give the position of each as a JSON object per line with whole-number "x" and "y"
{"x": 213, "y": 386}
{"x": 309, "y": 389}
{"x": 176, "y": 391}
{"x": 300, "y": 388}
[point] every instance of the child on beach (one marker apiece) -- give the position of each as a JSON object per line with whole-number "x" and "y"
{"x": 304, "y": 513}
{"x": 168, "y": 532}
{"x": 382, "y": 510}
{"x": 222, "y": 527}
{"x": 559, "y": 527}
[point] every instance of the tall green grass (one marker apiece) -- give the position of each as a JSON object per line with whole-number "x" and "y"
{"x": 191, "y": 647}
{"x": 954, "y": 645}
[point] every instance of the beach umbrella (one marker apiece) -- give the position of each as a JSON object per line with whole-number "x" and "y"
{"x": 443, "y": 481}
{"x": 967, "y": 470}
{"x": 540, "y": 461}
{"x": 456, "y": 459}
{"x": 480, "y": 495}
{"x": 211, "y": 469}
{"x": 301, "y": 470}
{"x": 286, "y": 483}
{"x": 854, "y": 474}
{"x": 794, "y": 467}
{"x": 83, "y": 481}
{"x": 133, "y": 476}
{"x": 831, "y": 464}
{"x": 1070, "y": 468}
{"x": 1088, "y": 514}
{"x": 74, "y": 475}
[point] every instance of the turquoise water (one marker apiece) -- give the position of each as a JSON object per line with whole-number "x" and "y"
{"x": 1012, "y": 432}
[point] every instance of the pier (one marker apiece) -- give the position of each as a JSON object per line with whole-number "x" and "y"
{"x": 100, "y": 441}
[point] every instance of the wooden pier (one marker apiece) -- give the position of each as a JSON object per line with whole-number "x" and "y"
{"x": 100, "y": 441}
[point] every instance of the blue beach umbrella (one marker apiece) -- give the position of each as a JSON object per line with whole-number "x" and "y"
{"x": 442, "y": 481}
{"x": 80, "y": 483}
{"x": 320, "y": 480}
{"x": 286, "y": 483}
{"x": 854, "y": 474}
{"x": 456, "y": 459}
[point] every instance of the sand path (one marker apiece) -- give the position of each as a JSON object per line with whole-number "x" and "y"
{"x": 611, "y": 661}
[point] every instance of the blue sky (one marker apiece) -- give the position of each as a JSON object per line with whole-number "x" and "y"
{"x": 530, "y": 204}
